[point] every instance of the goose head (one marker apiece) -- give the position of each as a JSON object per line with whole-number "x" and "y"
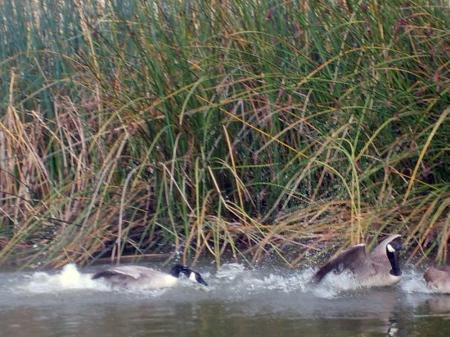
{"x": 194, "y": 276}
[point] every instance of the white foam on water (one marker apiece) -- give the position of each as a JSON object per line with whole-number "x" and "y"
{"x": 295, "y": 281}
{"x": 413, "y": 282}
{"x": 333, "y": 285}
{"x": 69, "y": 278}
{"x": 246, "y": 281}
{"x": 230, "y": 271}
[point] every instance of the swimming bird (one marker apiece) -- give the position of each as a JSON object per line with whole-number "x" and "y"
{"x": 146, "y": 278}
{"x": 378, "y": 268}
{"x": 438, "y": 279}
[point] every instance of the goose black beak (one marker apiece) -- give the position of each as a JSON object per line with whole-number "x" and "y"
{"x": 201, "y": 280}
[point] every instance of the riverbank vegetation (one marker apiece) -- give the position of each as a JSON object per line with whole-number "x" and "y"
{"x": 242, "y": 129}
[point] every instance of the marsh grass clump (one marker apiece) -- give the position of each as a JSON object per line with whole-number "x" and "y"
{"x": 248, "y": 128}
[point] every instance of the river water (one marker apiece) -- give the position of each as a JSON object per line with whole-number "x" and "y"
{"x": 238, "y": 302}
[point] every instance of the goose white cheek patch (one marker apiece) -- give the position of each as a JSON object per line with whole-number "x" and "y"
{"x": 192, "y": 277}
{"x": 390, "y": 248}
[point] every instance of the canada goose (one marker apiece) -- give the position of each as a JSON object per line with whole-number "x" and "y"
{"x": 378, "y": 268}
{"x": 146, "y": 278}
{"x": 438, "y": 279}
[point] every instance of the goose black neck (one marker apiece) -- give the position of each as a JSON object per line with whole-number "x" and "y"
{"x": 393, "y": 259}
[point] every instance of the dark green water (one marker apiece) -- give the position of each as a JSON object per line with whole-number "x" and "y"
{"x": 237, "y": 303}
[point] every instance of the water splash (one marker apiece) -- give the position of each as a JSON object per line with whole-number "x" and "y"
{"x": 244, "y": 281}
{"x": 334, "y": 285}
{"x": 230, "y": 271}
{"x": 232, "y": 281}
{"x": 69, "y": 278}
{"x": 413, "y": 282}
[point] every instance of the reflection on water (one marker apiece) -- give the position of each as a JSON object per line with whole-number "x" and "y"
{"x": 239, "y": 302}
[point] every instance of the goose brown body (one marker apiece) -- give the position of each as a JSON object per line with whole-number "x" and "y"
{"x": 377, "y": 268}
